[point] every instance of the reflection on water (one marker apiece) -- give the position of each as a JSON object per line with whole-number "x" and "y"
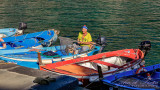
{"x": 124, "y": 23}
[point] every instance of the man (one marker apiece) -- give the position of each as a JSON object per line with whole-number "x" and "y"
{"x": 85, "y": 39}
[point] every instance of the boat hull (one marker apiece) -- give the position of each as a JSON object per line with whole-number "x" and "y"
{"x": 29, "y": 58}
{"x": 137, "y": 81}
{"x": 31, "y": 40}
{"x": 7, "y": 32}
{"x": 85, "y": 69}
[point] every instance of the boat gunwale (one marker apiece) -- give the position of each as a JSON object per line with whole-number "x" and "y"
{"x": 123, "y": 66}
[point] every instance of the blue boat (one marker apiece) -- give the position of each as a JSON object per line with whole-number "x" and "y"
{"x": 7, "y": 32}
{"x": 144, "y": 78}
{"x": 64, "y": 51}
{"x": 43, "y": 38}
{"x": 29, "y": 57}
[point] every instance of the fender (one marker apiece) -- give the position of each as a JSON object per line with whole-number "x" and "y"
{"x": 141, "y": 69}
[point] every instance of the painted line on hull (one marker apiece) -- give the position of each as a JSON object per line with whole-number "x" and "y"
{"x": 44, "y": 60}
{"x": 95, "y": 76}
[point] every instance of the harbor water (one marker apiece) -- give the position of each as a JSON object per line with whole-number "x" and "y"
{"x": 125, "y": 23}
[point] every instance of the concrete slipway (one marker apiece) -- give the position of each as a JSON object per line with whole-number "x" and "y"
{"x": 15, "y": 77}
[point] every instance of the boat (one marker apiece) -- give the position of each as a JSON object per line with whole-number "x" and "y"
{"x": 29, "y": 57}
{"x": 143, "y": 78}
{"x": 31, "y": 40}
{"x": 7, "y": 32}
{"x": 85, "y": 68}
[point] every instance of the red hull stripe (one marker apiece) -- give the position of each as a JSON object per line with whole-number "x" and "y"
{"x": 134, "y": 54}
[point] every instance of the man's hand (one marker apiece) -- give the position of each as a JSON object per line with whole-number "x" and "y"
{"x": 87, "y": 43}
{"x": 92, "y": 43}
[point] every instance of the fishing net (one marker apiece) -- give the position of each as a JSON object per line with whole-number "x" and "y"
{"x": 136, "y": 82}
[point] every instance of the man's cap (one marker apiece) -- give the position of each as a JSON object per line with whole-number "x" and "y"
{"x": 85, "y": 27}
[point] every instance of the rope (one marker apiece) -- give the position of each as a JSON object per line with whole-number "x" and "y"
{"x": 24, "y": 39}
{"x": 92, "y": 82}
{"x": 37, "y": 36}
{"x": 119, "y": 57}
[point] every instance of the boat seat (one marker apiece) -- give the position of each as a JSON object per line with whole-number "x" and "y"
{"x": 106, "y": 63}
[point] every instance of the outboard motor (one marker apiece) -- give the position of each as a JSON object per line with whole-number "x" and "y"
{"x": 145, "y": 46}
{"x": 21, "y": 28}
{"x": 101, "y": 41}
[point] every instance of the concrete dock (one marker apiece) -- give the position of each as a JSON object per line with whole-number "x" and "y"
{"x": 15, "y": 77}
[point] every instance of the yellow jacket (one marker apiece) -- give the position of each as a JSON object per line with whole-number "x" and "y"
{"x": 87, "y": 38}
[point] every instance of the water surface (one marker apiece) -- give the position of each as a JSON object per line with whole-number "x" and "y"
{"x": 125, "y": 23}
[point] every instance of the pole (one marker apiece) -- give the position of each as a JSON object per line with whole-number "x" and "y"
{"x": 39, "y": 59}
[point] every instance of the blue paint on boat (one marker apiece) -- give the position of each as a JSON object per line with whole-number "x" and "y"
{"x": 8, "y": 31}
{"x": 27, "y": 58}
{"x": 29, "y": 40}
{"x": 115, "y": 80}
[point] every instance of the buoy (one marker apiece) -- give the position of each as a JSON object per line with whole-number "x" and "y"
{"x": 141, "y": 69}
